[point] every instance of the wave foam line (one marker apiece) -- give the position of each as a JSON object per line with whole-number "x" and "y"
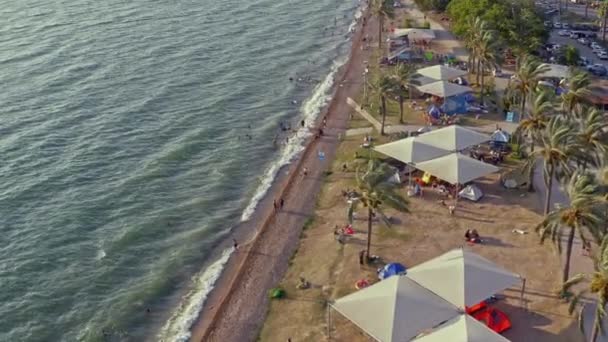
{"x": 177, "y": 328}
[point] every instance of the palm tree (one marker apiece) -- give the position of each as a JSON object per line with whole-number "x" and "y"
{"x": 592, "y": 138}
{"x": 602, "y": 13}
{"x": 527, "y": 76}
{"x": 382, "y": 9}
{"x": 581, "y": 215}
{"x": 384, "y": 86}
{"x": 377, "y": 192}
{"x": 486, "y": 54}
{"x": 598, "y": 286}
{"x": 557, "y": 146}
{"x": 476, "y": 39}
{"x": 578, "y": 90}
{"x": 534, "y": 124}
{"x": 404, "y": 76}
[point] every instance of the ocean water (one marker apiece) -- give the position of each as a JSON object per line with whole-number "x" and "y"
{"x": 134, "y": 135}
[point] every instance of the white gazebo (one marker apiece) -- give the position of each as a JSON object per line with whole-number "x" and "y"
{"x": 463, "y": 328}
{"x": 414, "y": 33}
{"x": 472, "y": 277}
{"x": 456, "y": 168}
{"x": 453, "y": 138}
{"x": 411, "y": 150}
{"x": 441, "y": 72}
{"x": 444, "y": 89}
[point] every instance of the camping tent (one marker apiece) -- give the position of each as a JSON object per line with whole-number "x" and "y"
{"x": 471, "y": 192}
{"x": 395, "y": 309}
{"x": 462, "y": 328}
{"x": 443, "y": 89}
{"x": 410, "y": 150}
{"x": 441, "y": 72}
{"x": 456, "y": 168}
{"x": 500, "y": 136}
{"x": 453, "y": 138}
{"x": 390, "y": 270}
{"x": 472, "y": 277}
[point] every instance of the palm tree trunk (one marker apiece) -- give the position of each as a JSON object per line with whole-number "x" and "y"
{"x": 523, "y": 106}
{"x": 380, "y": 28}
{"x": 532, "y": 169}
{"x": 596, "y": 329}
{"x": 566, "y": 274}
{"x": 482, "y": 90}
{"x": 549, "y": 185}
{"x": 369, "y": 232}
{"x": 400, "y": 108}
{"x": 383, "y": 99}
{"x": 478, "y": 69}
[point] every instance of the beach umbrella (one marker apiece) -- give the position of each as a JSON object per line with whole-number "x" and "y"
{"x": 441, "y": 72}
{"x": 472, "y": 278}
{"x": 444, "y": 89}
{"x": 391, "y": 269}
{"x": 456, "y": 168}
{"x": 462, "y": 328}
{"x": 453, "y": 138}
{"x": 395, "y": 309}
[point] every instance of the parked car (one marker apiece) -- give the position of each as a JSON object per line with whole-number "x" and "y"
{"x": 603, "y": 55}
{"x": 583, "y": 41}
{"x": 595, "y": 45}
{"x": 548, "y": 24}
{"x": 573, "y": 35}
{"x": 597, "y": 69}
{"x": 565, "y": 25}
{"x": 563, "y": 33}
{"x": 557, "y": 25}
{"x": 584, "y": 61}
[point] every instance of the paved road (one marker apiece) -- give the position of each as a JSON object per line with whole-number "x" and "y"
{"x": 584, "y": 50}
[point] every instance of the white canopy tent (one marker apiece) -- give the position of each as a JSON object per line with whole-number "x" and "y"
{"x": 441, "y": 72}
{"x": 410, "y": 150}
{"x": 395, "y": 309}
{"x": 555, "y": 70}
{"x": 456, "y": 168}
{"x": 443, "y": 89}
{"x": 462, "y": 328}
{"x": 453, "y": 138}
{"x": 472, "y": 277}
{"x": 414, "y": 33}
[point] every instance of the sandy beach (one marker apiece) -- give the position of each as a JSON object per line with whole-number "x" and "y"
{"x": 237, "y": 306}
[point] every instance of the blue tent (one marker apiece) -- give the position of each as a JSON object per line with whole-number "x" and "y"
{"x": 455, "y": 105}
{"x": 391, "y": 270}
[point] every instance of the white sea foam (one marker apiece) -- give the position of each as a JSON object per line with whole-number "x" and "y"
{"x": 310, "y": 110}
{"x": 177, "y": 328}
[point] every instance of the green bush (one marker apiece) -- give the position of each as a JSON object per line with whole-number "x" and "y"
{"x": 426, "y": 25}
{"x": 276, "y": 293}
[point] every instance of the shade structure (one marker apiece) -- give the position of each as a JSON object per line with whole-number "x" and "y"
{"x": 410, "y": 150}
{"x": 472, "y": 278}
{"x": 441, "y": 72}
{"x": 395, "y": 309}
{"x": 462, "y": 328}
{"x": 444, "y": 89}
{"x": 456, "y": 168}
{"x": 414, "y": 33}
{"x": 453, "y": 138}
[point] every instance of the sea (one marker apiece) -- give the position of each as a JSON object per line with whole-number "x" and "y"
{"x": 134, "y": 137}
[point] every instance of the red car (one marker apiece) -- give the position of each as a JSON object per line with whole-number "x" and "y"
{"x": 494, "y": 319}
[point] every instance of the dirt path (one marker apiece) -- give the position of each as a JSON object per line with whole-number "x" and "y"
{"x": 239, "y": 315}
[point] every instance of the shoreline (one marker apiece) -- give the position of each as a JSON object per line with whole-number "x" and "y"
{"x": 232, "y": 283}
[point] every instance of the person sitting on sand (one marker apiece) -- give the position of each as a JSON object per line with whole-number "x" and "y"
{"x": 303, "y": 284}
{"x": 472, "y": 236}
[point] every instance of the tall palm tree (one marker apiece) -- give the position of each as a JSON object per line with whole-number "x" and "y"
{"x": 382, "y": 9}
{"x": 486, "y": 54}
{"x": 557, "y": 146}
{"x": 384, "y": 86}
{"x": 534, "y": 124}
{"x": 477, "y": 38}
{"x": 602, "y": 13}
{"x": 598, "y": 286}
{"x": 581, "y": 215}
{"x": 376, "y": 193}
{"x": 591, "y": 134}
{"x": 526, "y": 79}
{"x": 577, "y": 90}
{"x": 404, "y": 76}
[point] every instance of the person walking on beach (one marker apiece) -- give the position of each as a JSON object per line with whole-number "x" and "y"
{"x": 302, "y": 123}
{"x": 281, "y": 203}
{"x": 275, "y": 204}
{"x": 305, "y": 172}
{"x": 235, "y": 244}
